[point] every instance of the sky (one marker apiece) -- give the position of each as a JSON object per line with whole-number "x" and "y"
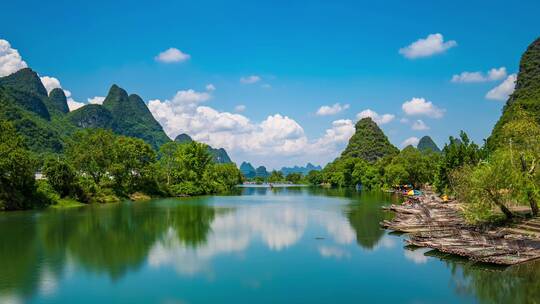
{"x": 281, "y": 83}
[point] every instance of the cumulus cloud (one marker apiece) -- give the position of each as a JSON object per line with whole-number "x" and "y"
{"x": 419, "y": 125}
{"x": 51, "y": 83}
{"x": 10, "y": 59}
{"x": 96, "y": 100}
{"x": 210, "y": 87}
{"x": 413, "y": 141}
{"x": 172, "y": 55}
{"x": 240, "y": 108}
{"x": 503, "y": 90}
{"x": 250, "y": 79}
{"x": 234, "y": 132}
{"x": 332, "y": 110}
{"x": 333, "y": 252}
{"x": 429, "y": 46}
{"x": 422, "y": 107}
{"x": 468, "y": 77}
{"x": 379, "y": 119}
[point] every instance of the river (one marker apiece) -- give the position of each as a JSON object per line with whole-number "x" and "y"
{"x": 281, "y": 245}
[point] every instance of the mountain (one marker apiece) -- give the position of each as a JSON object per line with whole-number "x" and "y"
{"x": 368, "y": 142}
{"x": 427, "y": 144}
{"x": 302, "y": 170}
{"x": 220, "y": 156}
{"x": 45, "y": 122}
{"x": 261, "y": 172}
{"x": 92, "y": 116}
{"x": 131, "y": 117}
{"x": 526, "y": 97}
{"x": 247, "y": 170}
{"x": 24, "y": 102}
{"x": 58, "y": 101}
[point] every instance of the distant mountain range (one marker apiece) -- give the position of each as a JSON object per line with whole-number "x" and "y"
{"x": 427, "y": 144}
{"x": 220, "y": 156}
{"x": 45, "y": 122}
{"x": 249, "y": 171}
{"x": 302, "y": 170}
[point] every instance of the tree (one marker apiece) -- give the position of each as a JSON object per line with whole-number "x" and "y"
{"x": 489, "y": 184}
{"x": 60, "y": 175}
{"x": 315, "y": 177}
{"x": 457, "y": 153}
{"x": 294, "y": 178}
{"x": 131, "y": 169}
{"x": 92, "y": 152}
{"x": 17, "y": 169}
{"x": 276, "y": 177}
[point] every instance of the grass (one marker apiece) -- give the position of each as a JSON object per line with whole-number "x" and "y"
{"x": 66, "y": 203}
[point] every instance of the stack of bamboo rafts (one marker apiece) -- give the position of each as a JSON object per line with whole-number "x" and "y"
{"x": 432, "y": 223}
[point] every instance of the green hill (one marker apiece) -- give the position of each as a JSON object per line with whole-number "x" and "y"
{"x": 247, "y": 170}
{"x": 220, "y": 156}
{"x": 58, "y": 101}
{"x": 427, "y": 144}
{"x": 45, "y": 121}
{"x": 368, "y": 142}
{"x": 131, "y": 117}
{"x": 23, "y": 101}
{"x": 526, "y": 96}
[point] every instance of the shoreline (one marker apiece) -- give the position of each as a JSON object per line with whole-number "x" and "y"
{"x": 435, "y": 224}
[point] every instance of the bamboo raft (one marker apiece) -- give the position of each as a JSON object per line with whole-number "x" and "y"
{"x": 435, "y": 224}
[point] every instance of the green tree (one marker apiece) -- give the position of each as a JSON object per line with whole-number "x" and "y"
{"x": 457, "y": 153}
{"x": 491, "y": 183}
{"x": 276, "y": 177}
{"x": 60, "y": 175}
{"x": 92, "y": 152}
{"x": 17, "y": 169}
{"x": 294, "y": 178}
{"x": 131, "y": 168}
{"x": 315, "y": 177}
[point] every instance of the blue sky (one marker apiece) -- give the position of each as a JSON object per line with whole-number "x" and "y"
{"x": 305, "y": 54}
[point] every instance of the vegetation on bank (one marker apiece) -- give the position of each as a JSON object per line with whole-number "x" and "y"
{"x": 100, "y": 167}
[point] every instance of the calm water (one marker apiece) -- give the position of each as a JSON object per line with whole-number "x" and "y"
{"x": 287, "y": 245}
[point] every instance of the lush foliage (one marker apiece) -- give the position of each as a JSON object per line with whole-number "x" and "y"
{"x": 17, "y": 167}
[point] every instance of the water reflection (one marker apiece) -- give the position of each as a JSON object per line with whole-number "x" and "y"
{"x": 39, "y": 250}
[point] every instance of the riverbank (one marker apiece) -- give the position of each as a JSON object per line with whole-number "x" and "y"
{"x": 435, "y": 224}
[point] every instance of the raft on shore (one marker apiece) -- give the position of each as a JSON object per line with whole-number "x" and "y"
{"x": 435, "y": 224}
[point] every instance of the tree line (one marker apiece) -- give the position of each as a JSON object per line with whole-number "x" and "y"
{"x": 491, "y": 180}
{"x": 98, "y": 166}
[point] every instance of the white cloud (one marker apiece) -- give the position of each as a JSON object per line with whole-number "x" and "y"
{"x": 431, "y": 45}
{"x": 410, "y": 141}
{"x": 420, "y": 106}
{"x": 250, "y": 79}
{"x": 332, "y": 110}
{"x": 96, "y": 100}
{"x": 492, "y": 75}
{"x": 419, "y": 125}
{"x": 210, "y": 87}
{"x": 333, "y": 252}
{"x": 503, "y": 90}
{"x": 240, "y": 108}
{"x": 51, "y": 83}
{"x": 416, "y": 256}
{"x": 497, "y": 74}
{"x": 234, "y": 132}
{"x": 172, "y": 55}
{"x": 379, "y": 119}
{"x": 404, "y": 120}
{"x": 10, "y": 59}
{"x": 266, "y": 86}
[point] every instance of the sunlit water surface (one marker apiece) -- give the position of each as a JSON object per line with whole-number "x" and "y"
{"x": 281, "y": 245}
